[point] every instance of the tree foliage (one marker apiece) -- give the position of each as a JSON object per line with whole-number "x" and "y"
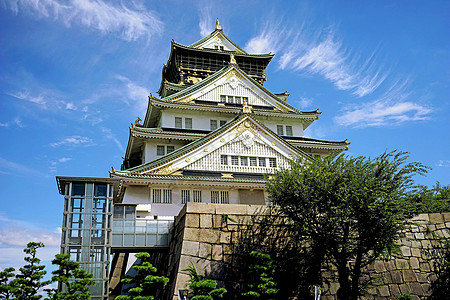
{"x": 348, "y": 208}
{"x": 146, "y": 283}
{"x": 7, "y": 283}
{"x": 260, "y": 283}
{"x": 29, "y": 279}
{"x": 203, "y": 288}
{"x": 74, "y": 281}
{"x": 429, "y": 200}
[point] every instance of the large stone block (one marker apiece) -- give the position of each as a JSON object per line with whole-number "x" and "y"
{"x": 209, "y": 236}
{"x": 192, "y": 220}
{"x": 201, "y": 208}
{"x": 422, "y": 277}
{"x": 446, "y": 217}
{"x": 421, "y": 219}
{"x": 205, "y": 250}
{"x": 395, "y": 291}
{"x": 406, "y": 251}
{"x": 225, "y": 237}
{"x": 383, "y": 291}
{"x": 231, "y": 209}
{"x": 401, "y": 264}
{"x": 414, "y": 263}
{"x": 191, "y": 234}
{"x": 396, "y": 277}
{"x": 409, "y": 275}
{"x": 217, "y": 253}
{"x": 436, "y": 218}
{"x": 404, "y": 289}
{"x": 258, "y": 210}
{"x": 390, "y": 265}
{"x": 415, "y": 252}
{"x": 416, "y": 288}
{"x": 206, "y": 221}
{"x": 379, "y": 266}
{"x": 190, "y": 248}
{"x": 419, "y": 235}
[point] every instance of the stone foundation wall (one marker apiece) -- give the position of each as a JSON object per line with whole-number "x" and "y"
{"x": 206, "y": 236}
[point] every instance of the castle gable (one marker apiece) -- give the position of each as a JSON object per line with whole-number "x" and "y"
{"x": 241, "y": 146}
{"x": 231, "y": 86}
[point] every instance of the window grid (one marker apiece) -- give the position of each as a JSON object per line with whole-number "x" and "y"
{"x": 160, "y": 150}
{"x": 167, "y": 196}
{"x": 224, "y": 197}
{"x": 156, "y": 195}
{"x": 178, "y": 122}
{"x": 289, "y": 130}
{"x": 244, "y": 161}
{"x": 214, "y": 196}
{"x": 224, "y": 160}
{"x": 188, "y": 123}
{"x": 185, "y": 196}
{"x": 197, "y": 196}
{"x": 213, "y": 124}
{"x": 280, "y": 130}
{"x": 272, "y": 162}
{"x": 235, "y": 160}
{"x": 262, "y": 161}
{"x": 170, "y": 149}
{"x": 253, "y": 162}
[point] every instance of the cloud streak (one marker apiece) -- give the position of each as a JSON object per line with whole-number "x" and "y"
{"x": 130, "y": 23}
{"x": 321, "y": 53}
{"x": 390, "y": 108}
{"x": 75, "y": 140}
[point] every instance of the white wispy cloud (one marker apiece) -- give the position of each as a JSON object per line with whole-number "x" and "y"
{"x": 16, "y": 235}
{"x": 443, "y": 163}
{"x": 18, "y": 122}
{"x": 9, "y": 167}
{"x": 206, "y": 21}
{"x": 129, "y": 21}
{"x": 54, "y": 163}
{"x": 392, "y": 107}
{"x": 383, "y": 100}
{"x": 74, "y": 140}
{"x": 26, "y": 96}
{"x": 305, "y": 102}
{"x": 4, "y": 124}
{"x": 136, "y": 95}
{"x": 45, "y": 99}
{"x": 109, "y": 135}
{"x": 272, "y": 37}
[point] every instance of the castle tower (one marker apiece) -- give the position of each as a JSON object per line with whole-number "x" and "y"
{"x": 210, "y": 136}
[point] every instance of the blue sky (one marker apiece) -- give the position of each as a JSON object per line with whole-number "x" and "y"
{"x": 74, "y": 74}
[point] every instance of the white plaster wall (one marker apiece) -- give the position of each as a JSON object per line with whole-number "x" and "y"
{"x": 143, "y": 194}
{"x": 297, "y": 126}
{"x": 150, "y": 148}
{"x": 200, "y": 121}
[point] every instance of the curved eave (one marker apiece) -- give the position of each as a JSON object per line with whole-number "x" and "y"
{"x": 164, "y": 160}
{"x": 145, "y": 180}
{"x": 211, "y": 78}
{"x": 267, "y": 56}
{"x": 310, "y": 115}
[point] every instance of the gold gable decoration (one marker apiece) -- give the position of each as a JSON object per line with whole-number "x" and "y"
{"x": 164, "y": 170}
{"x": 248, "y": 125}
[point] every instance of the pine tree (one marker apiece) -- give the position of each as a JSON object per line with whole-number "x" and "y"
{"x": 29, "y": 279}
{"x": 146, "y": 283}
{"x": 260, "y": 283}
{"x": 203, "y": 288}
{"x": 8, "y": 285}
{"x": 74, "y": 280}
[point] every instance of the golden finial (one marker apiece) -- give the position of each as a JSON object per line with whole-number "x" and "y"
{"x": 232, "y": 59}
{"x": 137, "y": 121}
{"x": 218, "y": 25}
{"x": 246, "y": 109}
{"x": 113, "y": 170}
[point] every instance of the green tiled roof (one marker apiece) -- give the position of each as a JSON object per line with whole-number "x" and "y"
{"x": 191, "y": 178}
{"x": 195, "y": 144}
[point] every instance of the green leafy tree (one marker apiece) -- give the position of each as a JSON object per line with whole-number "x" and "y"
{"x": 74, "y": 281}
{"x": 350, "y": 209}
{"x": 260, "y": 283}
{"x": 29, "y": 279}
{"x": 203, "y": 288}
{"x": 146, "y": 283}
{"x": 8, "y": 285}
{"x": 426, "y": 200}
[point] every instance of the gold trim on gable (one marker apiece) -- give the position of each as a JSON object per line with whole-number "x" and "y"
{"x": 248, "y": 125}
